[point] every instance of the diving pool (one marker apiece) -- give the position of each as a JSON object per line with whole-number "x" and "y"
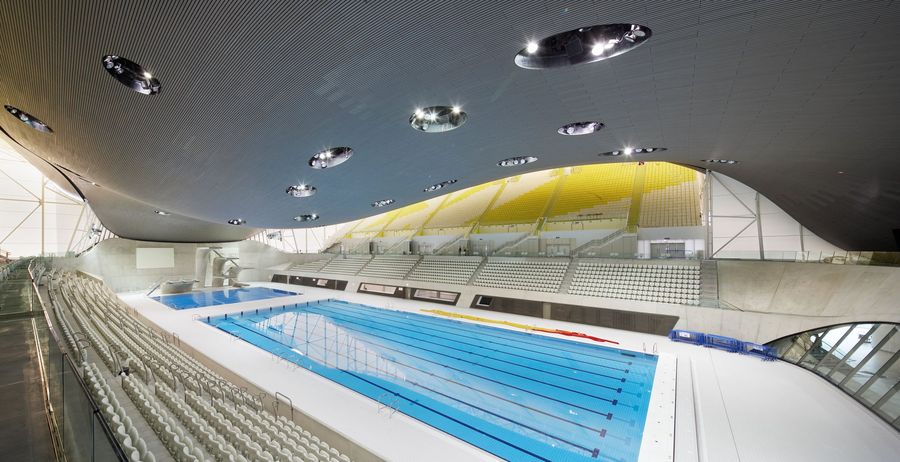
{"x": 199, "y": 299}
{"x": 517, "y": 395}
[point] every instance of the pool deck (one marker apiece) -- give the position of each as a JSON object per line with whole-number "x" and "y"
{"x": 729, "y": 407}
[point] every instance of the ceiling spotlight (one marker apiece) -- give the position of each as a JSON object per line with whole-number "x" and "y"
{"x": 131, "y": 74}
{"x": 307, "y": 217}
{"x": 720, "y": 161}
{"x": 516, "y": 161}
{"x": 237, "y": 221}
{"x": 28, "y": 119}
{"x": 630, "y": 150}
{"x": 580, "y": 128}
{"x": 160, "y": 212}
{"x": 301, "y": 190}
{"x": 440, "y": 185}
{"x": 583, "y": 45}
{"x": 331, "y": 157}
{"x": 382, "y": 202}
{"x": 436, "y": 119}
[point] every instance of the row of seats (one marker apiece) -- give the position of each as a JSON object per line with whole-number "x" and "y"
{"x": 176, "y": 408}
{"x": 125, "y": 432}
{"x": 655, "y": 283}
{"x": 346, "y": 264}
{"x": 389, "y": 266}
{"x": 458, "y": 270}
{"x": 311, "y": 266}
{"x": 540, "y": 275}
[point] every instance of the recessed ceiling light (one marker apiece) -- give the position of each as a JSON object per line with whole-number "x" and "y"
{"x": 584, "y": 45}
{"x": 28, "y": 119}
{"x": 382, "y": 202}
{"x": 301, "y": 190}
{"x": 331, "y": 157}
{"x": 237, "y": 221}
{"x": 580, "y": 128}
{"x": 629, "y": 151}
{"x": 440, "y": 185}
{"x": 160, "y": 212}
{"x": 306, "y": 217}
{"x": 515, "y": 161}
{"x": 131, "y": 74}
{"x": 437, "y": 119}
{"x": 719, "y": 161}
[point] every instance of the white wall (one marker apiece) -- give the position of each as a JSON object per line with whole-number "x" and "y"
{"x": 740, "y": 215}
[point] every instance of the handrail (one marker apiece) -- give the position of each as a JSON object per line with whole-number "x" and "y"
{"x": 289, "y": 402}
{"x": 95, "y": 409}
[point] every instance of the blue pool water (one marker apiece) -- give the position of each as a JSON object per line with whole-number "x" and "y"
{"x": 219, "y": 297}
{"x": 519, "y": 396}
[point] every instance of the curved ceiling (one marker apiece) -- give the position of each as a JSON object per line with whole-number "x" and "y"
{"x": 797, "y": 92}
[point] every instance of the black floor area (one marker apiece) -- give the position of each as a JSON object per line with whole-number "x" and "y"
{"x": 24, "y": 433}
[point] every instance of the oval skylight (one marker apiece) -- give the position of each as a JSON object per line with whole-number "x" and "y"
{"x": 440, "y": 185}
{"x": 131, "y": 74}
{"x": 516, "y": 161}
{"x": 382, "y": 203}
{"x": 301, "y": 190}
{"x": 306, "y": 217}
{"x": 437, "y": 119}
{"x": 580, "y": 128}
{"x": 584, "y": 45}
{"x": 237, "y": 221}
{"x": 28, "y": 119}
{"x": 331, "y": 157}
{"x": 627, "y": 151}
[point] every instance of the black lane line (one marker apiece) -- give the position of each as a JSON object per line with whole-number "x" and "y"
{"x": 465, "y": 351}
{"x": 607, "y": 415}
{"x": 401, "y": 395}
{"x": 415, "y": 346}
{"x": 541, "y": 353}
{"x": 422, "y": 319}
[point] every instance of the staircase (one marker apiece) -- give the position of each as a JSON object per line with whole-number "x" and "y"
{"x": 709, "y": 283}
{"x": 512, "y": 244}
{"x": 472, "y": 279}
{"x": 598, "y": 242}
{"x": 570, "y": 274}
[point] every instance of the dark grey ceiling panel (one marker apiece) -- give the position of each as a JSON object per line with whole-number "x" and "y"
{"x": 796, "y": 91}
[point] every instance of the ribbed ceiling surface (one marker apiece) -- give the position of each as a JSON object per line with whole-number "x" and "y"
{"x": 795, "y": 91}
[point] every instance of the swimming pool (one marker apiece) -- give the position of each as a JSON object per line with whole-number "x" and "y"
{"x": 520, "y": 396}
{"x": 200, "y": 299}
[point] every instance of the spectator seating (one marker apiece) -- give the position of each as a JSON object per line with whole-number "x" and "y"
{"x": 539, "y": 274}
{"x": 390, "y": 266}
{"x": 346, "y": 264}
{"x": 447, "y": 270}
{"x": 647, "y": 282}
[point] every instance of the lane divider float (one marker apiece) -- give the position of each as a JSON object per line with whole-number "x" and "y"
{"x": 567, "y": 333}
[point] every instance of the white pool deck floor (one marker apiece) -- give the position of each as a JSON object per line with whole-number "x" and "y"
{"x": 727, "y": 407}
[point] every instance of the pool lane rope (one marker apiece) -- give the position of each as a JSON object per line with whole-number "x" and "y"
{"x": 567, "y": 333}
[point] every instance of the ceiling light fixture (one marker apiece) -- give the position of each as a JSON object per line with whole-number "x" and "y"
{"x": 440, "y": 185}
{"x": 28, "y": 119}
{"x": 516, "y": 161}
{"x": 301, "y": 190}
{"x": 583, "y": 45}
{"x": 580, "y": 128}
{"x": 630, "y": 150}
{"x": 437, "y": 119}
{"x": 382, "y": 202}
{"x": 720, "y": 161}
{"x": 306, "y": 217}
{"x": 131, "y": 74}
{"x": 331, "y": 157}
{"x": 237, "y": 221}
{"x": 160, "y": 212}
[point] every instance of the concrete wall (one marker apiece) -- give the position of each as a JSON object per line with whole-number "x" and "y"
{"x": 114, "y": 261}
{"x": 812, "y": 289}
